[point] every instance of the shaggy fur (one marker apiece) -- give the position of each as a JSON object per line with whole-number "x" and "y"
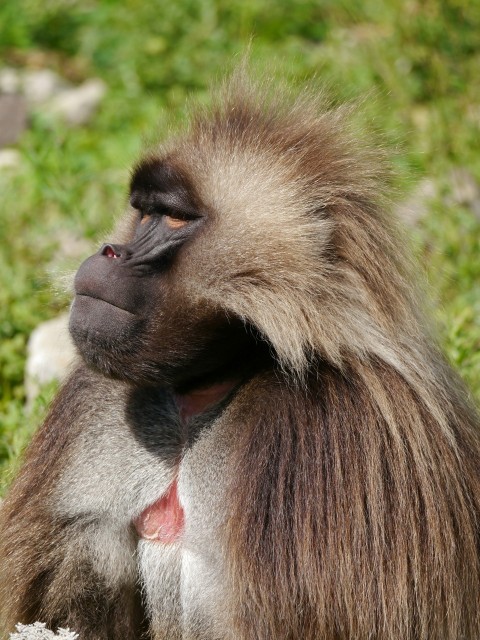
{"x": 350, "y": 477}
{"x": 360, "y": 516}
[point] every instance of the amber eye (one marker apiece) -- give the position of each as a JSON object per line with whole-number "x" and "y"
{"x": 175, "y": 223}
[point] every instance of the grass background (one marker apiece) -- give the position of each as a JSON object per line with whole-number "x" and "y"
{"x": 419, "y": 59}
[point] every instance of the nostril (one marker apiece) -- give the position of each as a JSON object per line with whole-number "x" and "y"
{"x": 109, "y": 251}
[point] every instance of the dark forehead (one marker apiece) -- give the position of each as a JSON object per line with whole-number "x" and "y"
{"x": 160, "y": 181}
{"x": 155, "y": 174}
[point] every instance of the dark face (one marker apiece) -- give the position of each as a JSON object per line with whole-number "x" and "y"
{"x": 129, "y": 318}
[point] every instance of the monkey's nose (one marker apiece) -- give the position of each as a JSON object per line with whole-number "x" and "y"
{"x": 110, "y": 251}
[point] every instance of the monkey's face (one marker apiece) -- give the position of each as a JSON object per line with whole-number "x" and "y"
{"x": 131, "y": 317}
{"x": 229, "y": 257}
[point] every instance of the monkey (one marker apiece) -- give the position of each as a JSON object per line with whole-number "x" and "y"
{"x": 261, "y": 438}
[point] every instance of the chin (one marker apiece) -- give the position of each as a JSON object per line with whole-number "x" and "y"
{"x": 105, "y": 335}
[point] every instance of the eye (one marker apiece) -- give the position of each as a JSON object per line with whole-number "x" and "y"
{"x": 176, "y": 221}
{"x": 172, "y": 219}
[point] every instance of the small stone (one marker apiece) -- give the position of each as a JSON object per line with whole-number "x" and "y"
{"x": 13, "y": 118}
{"x": 50, "y": 355}
{"x": 41, "y": 86}
{"x": 9, "y": 81}
{"x": 9, "y": 159}
{"x": 77, "y": 106}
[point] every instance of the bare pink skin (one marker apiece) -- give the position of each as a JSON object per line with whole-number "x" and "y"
{"x": 164, "y": 520}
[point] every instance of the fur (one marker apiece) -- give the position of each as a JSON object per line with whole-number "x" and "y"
{"x": 335, "y": 495}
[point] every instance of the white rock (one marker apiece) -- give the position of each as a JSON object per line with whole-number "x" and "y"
{"x": 9, "y": 159}
{"x": 13, "y": 118}
{"x": 78, "y": 105}
{"x": 9, "y": 80}
{"x": 41, "y": 86}
{"x": 38, "y": 631}
{"x": 50, "y": 355}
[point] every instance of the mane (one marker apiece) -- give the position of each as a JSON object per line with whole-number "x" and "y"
{"x": 362, "y": 501}
{"x": 324, "y": 269}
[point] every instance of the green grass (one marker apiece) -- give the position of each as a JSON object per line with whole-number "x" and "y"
{"x": 418, "y": 61}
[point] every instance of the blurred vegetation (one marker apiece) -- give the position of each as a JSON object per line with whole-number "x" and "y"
{"x": 418, "y": 60}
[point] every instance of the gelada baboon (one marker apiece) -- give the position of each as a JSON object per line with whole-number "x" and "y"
{"x": 262, "y": 440}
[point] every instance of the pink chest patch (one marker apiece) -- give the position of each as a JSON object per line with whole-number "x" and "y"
{"x": 164, "y": 520}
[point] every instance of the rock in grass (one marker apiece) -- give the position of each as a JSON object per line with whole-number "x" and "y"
{"x": 13, "y": 118}
{"x": 76, "y": 106}
{"x": 50, "y": 354}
